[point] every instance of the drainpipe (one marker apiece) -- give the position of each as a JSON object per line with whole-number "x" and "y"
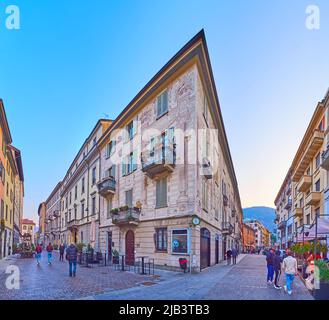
{"x": 99, "y": 199}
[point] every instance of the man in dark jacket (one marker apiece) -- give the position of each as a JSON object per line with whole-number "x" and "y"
{"x": 270, "y": 268}
{"x": 277, "y": 268}
{"x": 72, "y": 257}
{"x": 234, "y": 255}
{"x": 229, "y": 256}
{"x": 61, "y": 252}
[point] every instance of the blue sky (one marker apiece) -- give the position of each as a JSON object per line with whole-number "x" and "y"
{"x": 74, "y": 61}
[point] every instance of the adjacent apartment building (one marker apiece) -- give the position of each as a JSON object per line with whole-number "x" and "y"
{"x": 52, "y": 231}
{"x": 11, "y": 188}
{"x": 304, "y": 191}
{"x": 159, "y": 181}
{"x": 249, "y": 238}
{"x": 262, "y": 234}
{"x": 28, "y": 227}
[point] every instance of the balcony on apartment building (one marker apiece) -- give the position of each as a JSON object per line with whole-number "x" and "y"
{"x": 298, "y": 212}
{"x": 288, "y": 204}
{"x": 325, "y": 159}
{"x": 73, "y": 224}
{"x": 282, "y": 225}
{"x": 227, "y": 228}
{"x": 305, "y": 183}
{"x": 207, "y": 170}
{"x": 288, "y": 191}
{"x": 107, "y": 187}
{"x": 313, "y": 198}
{"x": 311, "y": 149}
{"x": 161, "y": 159}
{"x": 130, "y": 216}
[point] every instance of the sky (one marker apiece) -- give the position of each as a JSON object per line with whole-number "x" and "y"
{"x": 73, "y": 62}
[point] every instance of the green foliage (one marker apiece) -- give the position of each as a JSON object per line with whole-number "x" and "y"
{"x": 55, "y": 246}
{"x": 114, "y": 211}
{"x": 124, "y": 208}
{"x": 80, "y": 246}
{"x": 115, "y": 253}
{"x": 323, "y": 270}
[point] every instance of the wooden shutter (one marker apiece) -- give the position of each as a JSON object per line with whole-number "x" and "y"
{"x": 159, "y": 109}
{"x": 165, "y": 101}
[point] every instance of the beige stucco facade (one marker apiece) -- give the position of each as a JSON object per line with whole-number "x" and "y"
{"x": 189, "y": 192}
{"x": 304, "y": 191}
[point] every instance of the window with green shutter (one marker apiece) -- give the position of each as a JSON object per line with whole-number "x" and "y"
{"x": 161, "y": 193}
{"x": 162, "y": 103}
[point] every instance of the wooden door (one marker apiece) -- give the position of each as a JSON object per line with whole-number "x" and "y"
{"x": 204, "y": 248}
{"x": 217, "y": 250}
{"x": 130, "y": 248}
{"x": 109, "y": 245}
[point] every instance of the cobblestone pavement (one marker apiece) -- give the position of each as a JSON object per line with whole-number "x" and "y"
{"x": 244, "y": 281}
{"x": 53, "y": 282}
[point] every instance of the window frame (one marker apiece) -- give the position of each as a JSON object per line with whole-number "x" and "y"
{"x": 160, "y": 98}
{"x": 188, "y": 240}
{"x": 163, "y": 232}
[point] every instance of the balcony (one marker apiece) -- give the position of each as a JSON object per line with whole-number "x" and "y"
{"x": 298, "y": 212}
{"x": 126, "y": 217}
{"x": 288, "y": 204}
{"x": 227, "y": 228}
{"x": 207, "y": 169}
{"x": 305, "y": 183}
{"x": 288, "y": 191}
{"x": 225, "y": 200}
{"x": 313, "y": 198}
{"x": 325, "y": 159}
{"x": 160, "y": 160}
{"x": 282, "y": 225}
{"x": 310, "y": 151}
{"x": 73, "y": 224}
{"x": 106, "y": 187}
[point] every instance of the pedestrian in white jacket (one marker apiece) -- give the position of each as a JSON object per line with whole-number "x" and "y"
{"x": 289, "y": 267}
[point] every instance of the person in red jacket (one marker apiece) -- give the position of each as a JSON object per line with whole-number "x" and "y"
{"x": 50, "y": 253}
{"x": 38, "y": 251}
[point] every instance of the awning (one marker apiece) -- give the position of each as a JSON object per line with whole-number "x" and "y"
{"x": 310, "y": 231}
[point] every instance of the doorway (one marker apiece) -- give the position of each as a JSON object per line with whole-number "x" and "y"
{"x": 109, "y": 245}
{"x": 204, "y": 248}
{"x": 217, "y": 250}
{"x": 130, "y": 248}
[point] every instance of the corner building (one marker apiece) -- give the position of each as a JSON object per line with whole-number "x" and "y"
{"x": 168, "y": 188}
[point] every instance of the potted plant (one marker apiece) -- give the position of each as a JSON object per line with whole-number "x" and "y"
{"x": 80, "y": 247}
{"x": 115, "y": 256}
{"x": 124, "y": 208}
{"x": 323, "y": 292}
{"x": 114, "y": 211}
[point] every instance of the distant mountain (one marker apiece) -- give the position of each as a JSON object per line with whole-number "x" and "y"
{"x": 265, "y": 215}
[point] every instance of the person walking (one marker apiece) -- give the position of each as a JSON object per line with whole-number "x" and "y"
{"x": 289, "y": 267}
{"x": 234, "y": 255}
{"x": 61, "y": 252}
{"x": 38, "y": 251}
{"x": 72, "y": 257}
{"x": 50, "y": 253}
{"x": 270, "y": 268}
{"x": 229, "y": 256}
{"x": 277, "y": 269}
